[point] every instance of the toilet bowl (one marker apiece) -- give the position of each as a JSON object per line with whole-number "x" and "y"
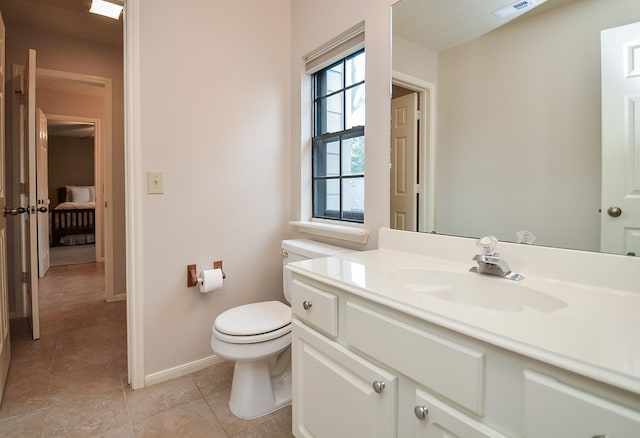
{"x": 257, "y": 337}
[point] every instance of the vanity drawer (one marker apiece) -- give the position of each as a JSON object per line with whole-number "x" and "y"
{"x": 444, "y": 421}
{"x": 454, "y": 371}
{"x": 554, "y": 409}
{"x": 315, "y": 307}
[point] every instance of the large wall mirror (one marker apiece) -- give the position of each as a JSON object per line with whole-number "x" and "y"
{"x": 519, "y": 120}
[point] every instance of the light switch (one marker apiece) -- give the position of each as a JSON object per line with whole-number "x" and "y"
{"x": 155, "y": 182}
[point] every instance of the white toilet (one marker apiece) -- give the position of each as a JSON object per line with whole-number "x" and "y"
{"x": 257, "y": 337}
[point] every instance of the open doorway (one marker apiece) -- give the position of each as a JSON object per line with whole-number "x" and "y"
{"x": 72, "y": 161}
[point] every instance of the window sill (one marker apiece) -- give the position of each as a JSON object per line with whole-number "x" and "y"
{"x": 342, "y": 232}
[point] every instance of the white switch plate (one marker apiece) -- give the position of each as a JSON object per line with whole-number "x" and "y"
{"x": 155, "y": 182}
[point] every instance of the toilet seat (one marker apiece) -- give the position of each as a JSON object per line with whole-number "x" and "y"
{"x": 252, "y": 323}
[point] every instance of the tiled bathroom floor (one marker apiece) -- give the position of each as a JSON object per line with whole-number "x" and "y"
{"x": 73, "y": 381}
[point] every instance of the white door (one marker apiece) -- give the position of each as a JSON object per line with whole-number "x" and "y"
{"x": 620, "y": 223}
{"x": 42, "y": 177}
{"x": 30, "y": 233}
{"x": 404, "y": 163}
{"x": 5, "y": 350}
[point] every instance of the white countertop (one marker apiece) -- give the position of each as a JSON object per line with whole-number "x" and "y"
{"x": 597, "y": 333}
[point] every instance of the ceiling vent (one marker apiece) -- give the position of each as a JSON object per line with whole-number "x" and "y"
{"x": 517, "y": 8}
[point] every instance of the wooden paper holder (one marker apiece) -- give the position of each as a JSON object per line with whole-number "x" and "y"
{"x": 192, "y": 273}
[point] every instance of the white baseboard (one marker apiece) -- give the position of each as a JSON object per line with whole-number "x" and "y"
{"x": 181, "y": 370}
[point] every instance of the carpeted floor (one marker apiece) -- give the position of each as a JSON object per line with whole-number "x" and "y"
{"x": 71, "y": 255}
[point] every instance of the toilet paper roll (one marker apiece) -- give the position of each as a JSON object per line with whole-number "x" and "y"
{"x": 210, "y": 280}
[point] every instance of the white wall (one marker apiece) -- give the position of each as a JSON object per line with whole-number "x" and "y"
{"x": 215, "y": 119}
{"x": 414, "y": 60}
{"x": 313, "y": 25}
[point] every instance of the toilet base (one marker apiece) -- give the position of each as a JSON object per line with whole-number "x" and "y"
{"x": 260, "y": 387}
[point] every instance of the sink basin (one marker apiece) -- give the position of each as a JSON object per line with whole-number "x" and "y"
{"x": 476, "y": 290}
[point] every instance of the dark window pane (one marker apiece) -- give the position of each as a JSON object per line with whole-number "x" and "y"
{"x": 353, "y": 156}
{"x": 355, "y": 69}
{"x": 326, "y": 157}
{"x": 326, "y": 201}
{"x": 353, "y": 198}
{"x": 330, "y": 80}
{"x": 330, "y": 114}
{"x": 355, "y": 107}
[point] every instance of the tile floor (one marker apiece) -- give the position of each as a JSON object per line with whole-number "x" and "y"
{"x": 73, "y": 381}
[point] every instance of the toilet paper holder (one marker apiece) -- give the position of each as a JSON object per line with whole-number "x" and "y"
{"x": 192, "y": 273}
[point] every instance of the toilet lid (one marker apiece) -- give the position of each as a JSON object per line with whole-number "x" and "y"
{"x": 253, "y": 319}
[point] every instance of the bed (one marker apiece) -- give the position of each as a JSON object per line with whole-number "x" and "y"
{"x": 72, "y": 220}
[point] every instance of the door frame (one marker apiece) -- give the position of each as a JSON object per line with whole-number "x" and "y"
{"x": 426, "y": 144}
{"x": 98, "y": 172}
{"x": 103, "y": 174}
{"x": 133, "y": 194}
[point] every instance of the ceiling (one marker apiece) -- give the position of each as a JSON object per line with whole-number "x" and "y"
{"x": 67, "y": 17}
{"x": 442, "y": 24}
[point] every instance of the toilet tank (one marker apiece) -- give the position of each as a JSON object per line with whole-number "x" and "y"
{"x": 294, "y": 250}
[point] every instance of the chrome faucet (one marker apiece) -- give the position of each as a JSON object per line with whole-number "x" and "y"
{"x": 490, "y": 262}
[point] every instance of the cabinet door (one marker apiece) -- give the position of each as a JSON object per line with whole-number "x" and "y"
{"x": 553, "y": 409}
{"x": 439, "y": 420}
{"x": 334, "y": 391}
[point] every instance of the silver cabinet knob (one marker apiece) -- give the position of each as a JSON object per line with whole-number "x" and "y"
{"x": 306, "y": 305}
{"x": 421, "y": 412}
{"x": 378, "y": 386}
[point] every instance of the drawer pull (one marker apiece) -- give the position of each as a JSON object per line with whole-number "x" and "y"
{"x": 378, "y": 386}
{"x": 600, "y": 436}
{"x": 421, "y": 412}
{"x": 306, "y": 305}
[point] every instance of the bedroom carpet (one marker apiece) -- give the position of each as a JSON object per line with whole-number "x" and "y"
{"x": 71, "y": 255}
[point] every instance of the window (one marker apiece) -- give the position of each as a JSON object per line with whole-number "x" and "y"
{"x": 338, "y": 140}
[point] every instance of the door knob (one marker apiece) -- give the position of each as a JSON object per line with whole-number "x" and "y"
{"x": 614, "y": 211}
{"x": 43, "y": 209}
{"x": 14, "y": 211}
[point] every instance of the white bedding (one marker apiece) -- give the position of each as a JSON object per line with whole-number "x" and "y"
{"x": 75, "y": 205}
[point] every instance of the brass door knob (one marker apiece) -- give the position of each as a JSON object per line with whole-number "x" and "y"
{"x": 614, "y": 211}
{"x": 15, "y": 211}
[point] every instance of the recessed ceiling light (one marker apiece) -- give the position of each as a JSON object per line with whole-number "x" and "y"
{"x": 105, "y": 8}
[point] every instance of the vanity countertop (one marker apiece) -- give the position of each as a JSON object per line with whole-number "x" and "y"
{"x": 596, "y": 334}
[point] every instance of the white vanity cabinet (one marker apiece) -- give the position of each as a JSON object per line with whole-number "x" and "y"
{"x": 346, "y": 360}
{"x": 362, "y": 368}
{"x": 572, "y": 412}
{"x": 337, "y": 392}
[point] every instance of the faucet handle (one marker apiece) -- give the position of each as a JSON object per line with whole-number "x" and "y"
{"x": 487, "y": 244}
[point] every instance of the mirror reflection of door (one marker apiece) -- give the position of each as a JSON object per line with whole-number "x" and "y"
{"x": 620, "y": 233}
{"x": 405, "y": 182}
